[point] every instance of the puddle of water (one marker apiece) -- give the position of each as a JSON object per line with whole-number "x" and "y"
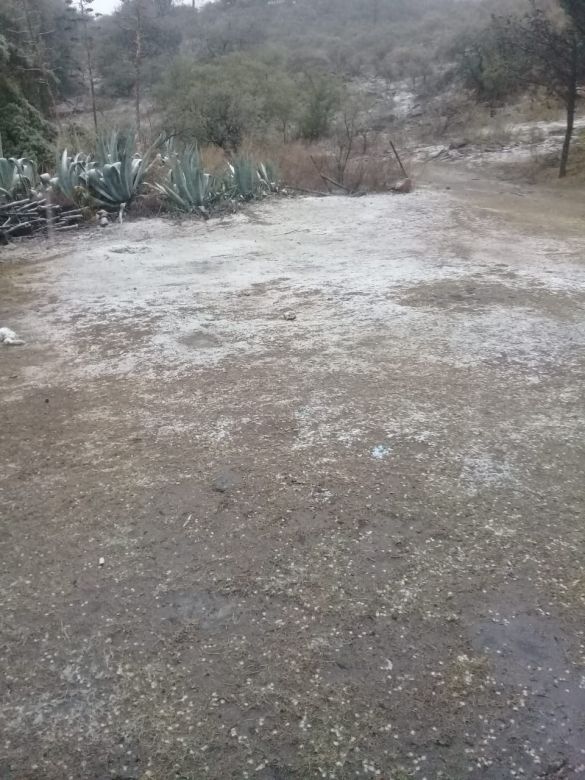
{"x": 530, "y": 655}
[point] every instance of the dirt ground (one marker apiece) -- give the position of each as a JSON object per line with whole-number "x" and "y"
{"x": 345, "y": 545}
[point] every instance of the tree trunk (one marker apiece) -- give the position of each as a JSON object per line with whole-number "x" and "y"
{"x": 92, "y": 91}
{"x": 138, "y": 63}
{"x": 37, "y": 48}
{"x": 89, "y": 51}
{"x": 571, "y": 104}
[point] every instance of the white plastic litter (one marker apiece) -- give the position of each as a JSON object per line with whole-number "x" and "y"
{"x": 381, "y": 451}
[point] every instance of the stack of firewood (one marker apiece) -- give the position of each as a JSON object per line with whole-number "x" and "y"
{"x": 30, "y": 217}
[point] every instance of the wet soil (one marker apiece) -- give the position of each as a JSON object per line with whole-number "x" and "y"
{"x": 345, "y": 545}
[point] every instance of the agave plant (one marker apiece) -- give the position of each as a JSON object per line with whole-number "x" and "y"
{"x": 248, "y": 180}
{"x": 118, "y": 180}
{"x": 110, "y": 146}
{"x": 9, "y": 177}
{"x": 69, "y": 179}
{"x": 268, "y": 177}
{"x": 17, "y": 177}
{"x": 188, "y": 187}
{"x": 168, "y": 150}
{"x": 244, "y": 178}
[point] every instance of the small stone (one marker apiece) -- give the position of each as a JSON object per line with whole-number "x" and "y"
{"x": 403, "y": 187}
{"x": 9, "y": 338}
{"x": 289, "y": 315}
{"x": 225, "y": 480}
{"x": 101, "y": 562}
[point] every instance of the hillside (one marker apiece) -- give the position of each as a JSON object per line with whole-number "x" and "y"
{"x": 264, "y": 75}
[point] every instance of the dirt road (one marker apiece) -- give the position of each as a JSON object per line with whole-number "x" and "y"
{"x": 345, "y": 545}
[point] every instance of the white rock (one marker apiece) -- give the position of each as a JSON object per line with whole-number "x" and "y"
{"x": 9, "y": 338}
{"x": 403, "y": 187}
{"x": 101, "y": 561}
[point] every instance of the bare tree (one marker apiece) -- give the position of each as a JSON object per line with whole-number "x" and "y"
{"x": 35, "y": 44}
{"x": 139, "y": 11}
{"x": 85, "y": 16}
{"x": 575, "y": 10}
{"x": 350, "y": 126}
{"x": 163, "y": 7}
{"x": 134, "y": 16}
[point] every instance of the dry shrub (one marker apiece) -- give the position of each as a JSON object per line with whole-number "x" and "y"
{"x": 214, "y": 159}
{"x": 372, "y": 174}
{"x": 296, "y": 167}
{"x": 150, "y": 204}
{"x": 300, "y": 166}
{"x": 450, "y": 116}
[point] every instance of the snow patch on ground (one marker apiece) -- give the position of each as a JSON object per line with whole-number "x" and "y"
{"x": 174, "y": 298}
{"x": 523, "y": 142}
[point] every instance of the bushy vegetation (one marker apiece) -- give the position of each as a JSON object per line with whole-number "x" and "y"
{"x": 219, "y": 73}
{"x": 116, "y": 174}
{"x": 541, "y": 50}
{"x": 239, "y": 73}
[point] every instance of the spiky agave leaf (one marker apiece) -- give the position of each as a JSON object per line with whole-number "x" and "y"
{"x": 17, "y": 177}
{"x": 268, "y": 176}
{"x": 68, "y": 179}
{"x": 188, "y": 186}
{"x": 113, "y": 183}
{"x": 8, "y": 176}
{"x": 110, "y": 144}
{"x": 168, "y": 150}
{"x": 246, "y": 181}
{"x": 28, "y": 173}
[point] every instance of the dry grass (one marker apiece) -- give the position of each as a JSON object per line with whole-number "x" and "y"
{"x": 214, "y": 159}
{"x": 300, "y": 165}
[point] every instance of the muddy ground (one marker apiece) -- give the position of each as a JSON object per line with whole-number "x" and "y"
{"x": 345, "y": 545}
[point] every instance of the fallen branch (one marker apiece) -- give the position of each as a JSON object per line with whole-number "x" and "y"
{"x": 402, "y": 168}
{"x": 335, "y": 183}
{"x": 62, "y": 228}
{"x": 318, "y": 193}
{"x": 328, "y": 178}
{"x": 29, "y": 217}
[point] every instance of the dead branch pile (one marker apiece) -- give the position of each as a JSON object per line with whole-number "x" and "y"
{"x": 30, "y": 217}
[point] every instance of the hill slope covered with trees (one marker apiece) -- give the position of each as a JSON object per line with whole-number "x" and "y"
{"x": 233, "y": 70}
